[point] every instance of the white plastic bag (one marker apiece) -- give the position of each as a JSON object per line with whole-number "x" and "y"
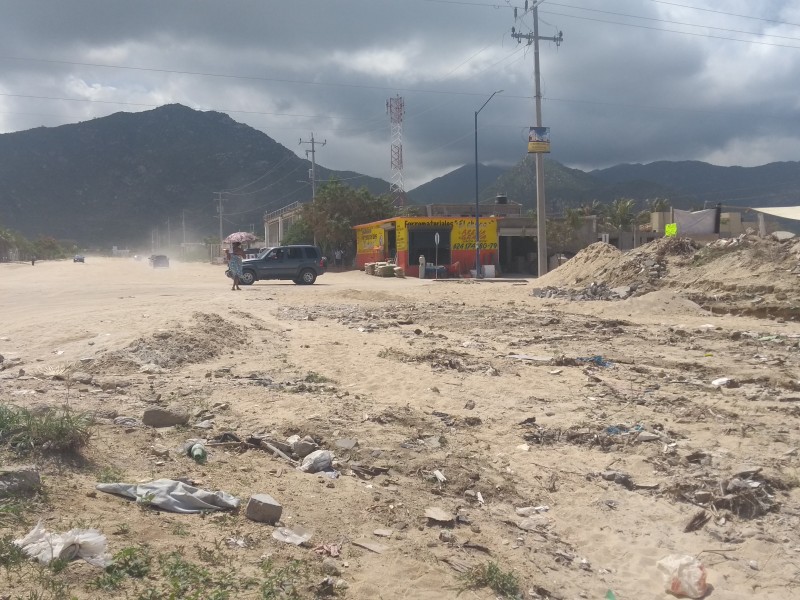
{"x": 44, "y": 547}
{"x": 685, "y": 576}
{"x": 319, "y": 460}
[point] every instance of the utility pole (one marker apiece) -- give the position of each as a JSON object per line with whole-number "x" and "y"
{"x": 541, "y": 217}
{"x": 313, "y": 173}
{"x": 169, "y": 234}
{"x": 219, "y": 210}
{"x": 183, "y": 224}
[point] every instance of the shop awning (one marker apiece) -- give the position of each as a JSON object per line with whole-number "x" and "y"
{"x": 782, "y": 212}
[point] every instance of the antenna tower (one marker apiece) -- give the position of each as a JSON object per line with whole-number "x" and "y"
{"x": 395, "y": 107}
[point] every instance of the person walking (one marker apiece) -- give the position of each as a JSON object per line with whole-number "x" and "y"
{"x": 234, "y": 257}
{"x": 337, "y": 258}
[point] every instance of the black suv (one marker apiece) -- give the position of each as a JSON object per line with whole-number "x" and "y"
{"x": 301, "y": 264}
{"x": 158, "y": 260}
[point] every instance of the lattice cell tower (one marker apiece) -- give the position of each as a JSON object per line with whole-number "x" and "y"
{"x": 395, "y": 107}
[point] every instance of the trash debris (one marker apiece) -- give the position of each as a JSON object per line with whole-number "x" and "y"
{"x": 527, "y": 511}
{"x": 697, "y": 522}
{"x": 172, "y": 496}
{"x": 596, "y": 360}
{"x": 726, "y": 382}
{"x": 619, "y": 477}
{"x": 87, "y": 544}
{"x": 439, "y": 516}
{"x": 319, "y": 460}
{"x": 197, "y": 451}
{"x": 329, "y": 549}
{"x": 371, "y": 546}
{"x": 685, "y": 575}
{"x": 297, "y": 535}
{"x": 439, "y": 476}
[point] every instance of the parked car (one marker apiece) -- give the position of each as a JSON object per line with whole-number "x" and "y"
{"x": 158, "y": 260}
{"x": 253, "y": 252}
{"x": 299, "y": 263}
{"x": 78, "y": 258}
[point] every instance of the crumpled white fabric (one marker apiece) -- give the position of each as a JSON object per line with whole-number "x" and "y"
{"x": 172, "y": 495}
{"x": 319, "y": 460}
{"x": 88, "y": 544}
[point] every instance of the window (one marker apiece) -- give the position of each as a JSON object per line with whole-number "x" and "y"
{"x": 311, "y": 253}
{"x": 294, "y": 253}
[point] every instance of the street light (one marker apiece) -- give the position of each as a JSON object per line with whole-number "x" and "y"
{"x": 477, "y": 203}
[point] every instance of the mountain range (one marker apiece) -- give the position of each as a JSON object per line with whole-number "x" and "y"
{"x": 122, "y": 178}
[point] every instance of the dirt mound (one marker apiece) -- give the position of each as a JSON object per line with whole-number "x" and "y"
{"x": 745, "y": 275}
{"x": 584, "y": 266}
{"x": 204, "y": 339}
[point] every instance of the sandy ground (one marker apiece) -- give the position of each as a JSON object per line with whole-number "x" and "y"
{"x": 477, "y": 380}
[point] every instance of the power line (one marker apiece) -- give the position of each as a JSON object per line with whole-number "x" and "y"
{"x": 694, "y": 34}
{"x": 656, "y": 19}
{"x": 729, "y": 14}
{"x": 241, "y": 187}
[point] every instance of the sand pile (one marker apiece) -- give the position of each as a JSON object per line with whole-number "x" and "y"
{"x": 750, "y": 274}
{"x": 584, "y": 266}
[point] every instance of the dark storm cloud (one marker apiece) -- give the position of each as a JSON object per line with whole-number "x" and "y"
{"x": 620, "y": 89}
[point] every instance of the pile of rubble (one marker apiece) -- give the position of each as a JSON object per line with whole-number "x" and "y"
{"x": 594, "y": 291}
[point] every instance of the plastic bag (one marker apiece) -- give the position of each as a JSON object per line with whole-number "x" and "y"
{"x": 319, "y": 460}
{"x": 44, "y": 547}
{"x": 685, "y": 575}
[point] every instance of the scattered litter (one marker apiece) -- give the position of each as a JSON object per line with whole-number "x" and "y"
{"x": 596, "y": 360}
{"x": 439, "y": 476}
{"x": 529, "y": 358}
{"x": 527, "y": 511}
{"x": 172, "y": 496}
{"x": 623, "y": 429}
{"x": 697, "y": 522}
{"x": 196, "y": 450}
{"x": 685, "y": 576}
{"x": 371, "y": 546}
{"x": 296, "y": 535}
{"x": 319, "y": 460}
{"x": 88, "y": 544}
{"x": 329, "y": 549}
{"x": 387, "y": 533}
{"x": 438, "y": 515}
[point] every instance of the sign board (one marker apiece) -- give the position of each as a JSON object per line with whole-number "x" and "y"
{"x": 436, "y": 238}
{"x": 539, "y": 140}
{"x": 671, "y": 230}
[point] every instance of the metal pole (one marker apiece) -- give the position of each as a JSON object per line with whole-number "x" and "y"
{"x": 477, "y": 207}
{"x": 477, "y": 200}
{"x": 541, "y": 217}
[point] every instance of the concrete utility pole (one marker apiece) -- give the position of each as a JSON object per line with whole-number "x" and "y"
{"x": 313, "y": 173}
{"x": 219, "y": 210}
{"x": 541, "y": 217}
{"x": 183, "y": 224}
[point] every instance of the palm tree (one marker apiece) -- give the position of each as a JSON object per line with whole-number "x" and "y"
{"x": 658, "y": 205}
{"x": 619, "y": 215}
{"x": 595, "y": 207}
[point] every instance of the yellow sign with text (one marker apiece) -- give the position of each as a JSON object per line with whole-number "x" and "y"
{"x": 462, "y": 232}
{"x": 369, "y": 239}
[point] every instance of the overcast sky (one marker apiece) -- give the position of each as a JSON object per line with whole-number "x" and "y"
{"x": 633, "y": 80}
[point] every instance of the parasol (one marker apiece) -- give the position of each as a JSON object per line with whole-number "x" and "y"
{"x": 240, "y": 236}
